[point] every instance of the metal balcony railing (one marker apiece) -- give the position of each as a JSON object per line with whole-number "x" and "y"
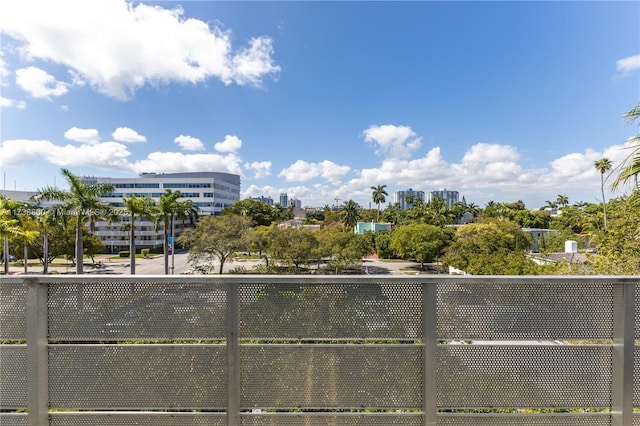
{"x": 321, "y": 350}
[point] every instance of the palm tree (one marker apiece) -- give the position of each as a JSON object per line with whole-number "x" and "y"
{"x": 140, "y": 206}
{"x": 603, "y": 165}
{"x": 168, "y": 209}
{"x": 9, "y": 226}
{"x": 81, "y": 200}
{"x": 630, "y": 167}
{"x": 350, "y": 214}
{"x": 378, "y": 196}
{"x": 562, "y": 200}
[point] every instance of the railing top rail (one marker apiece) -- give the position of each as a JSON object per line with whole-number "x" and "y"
{"x": 321, "y": 279}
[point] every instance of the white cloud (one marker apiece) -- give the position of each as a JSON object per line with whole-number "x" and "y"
{"x": 88, "y": 136}
{"x": 628, "y": 65}
{"x": 39, "y": 84}
{"x": 260, "y": 169}
{"x": 10, "y": 103}
{"x": 485, "y": 153}
{"x": 175, "y": 162}
{"x": 4, "y": 72}
{"x": 250, "y": 64}
{"x": 118, "y": 46}
{"x": 125, "y": 134}
{"x": 229, "y": 144}
{"x": 189, "y": 143}
{"x": 393, "y": 141}
{"x": 301, "y": 171}
{"x": 107, "y": 155}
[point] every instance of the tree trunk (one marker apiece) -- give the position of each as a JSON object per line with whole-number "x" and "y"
{"x": 45, "y": 250}
{"x": 132, "y": 245}
{"x": 79, "y": 247}
{"x": 26, "y": 260}
{"x": 165, "y": 245}
{"x": 5, "y": 255}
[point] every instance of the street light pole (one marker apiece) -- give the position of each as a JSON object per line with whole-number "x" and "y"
{"x": 173, "y": 244}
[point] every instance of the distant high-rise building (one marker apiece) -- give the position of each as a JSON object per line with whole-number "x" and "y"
{"x": 284, "y": 200}
{"x": 406, "y": 199}
{"x": 449, "y": 197}
{"x": 295, "y": 204}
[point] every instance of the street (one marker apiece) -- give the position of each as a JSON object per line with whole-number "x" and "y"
{"x": 154, "y": 265}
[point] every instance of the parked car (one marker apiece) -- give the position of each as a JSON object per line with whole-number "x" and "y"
{"x": 12, "y": 258}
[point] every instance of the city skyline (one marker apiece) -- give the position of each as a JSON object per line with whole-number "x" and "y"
{"x": 500, "y": 101}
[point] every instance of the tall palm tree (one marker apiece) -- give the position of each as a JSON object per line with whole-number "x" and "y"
{"x": 164, "y": 211}
{"x": 187, "y": 209}
{"x": 562, "y": 200}
{"x": 378, "y": 196}
{"x": 9, "y": 226}
{"x": 350, "y": 213}
{"x": 168, "y": 209}
{"x": 603, "y": 165}
{"x": 630, "y": 167}
{"x": 141, "y": 207}
{"x": 81, "y": 200}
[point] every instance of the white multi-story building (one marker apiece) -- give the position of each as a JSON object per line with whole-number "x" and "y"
{"x": 406, "y": 199}
{"x": 449, "y": 197}
{"x": 211, "y": 192}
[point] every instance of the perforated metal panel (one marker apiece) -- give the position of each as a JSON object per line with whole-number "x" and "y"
{"x": 13, "y": 312}
{"x": 582, "y": 419}
{"x": 365, "y": 310}
{"x": 525, "y": 310}
{"x": 320, "y": 376}
{"x": 637, "y": 310}
{"x": 142, "y": 419}
{"x": 13, "y": 376}
{"x": 7, "y": 419}
{"x": 479, "y": 376}
{"x": 348, "y": 419}
{"x": 137, "y": 376}
{"x": 636, "y": 419}
{"x": 137, "y": 311}
{"x": 636, "y": 377}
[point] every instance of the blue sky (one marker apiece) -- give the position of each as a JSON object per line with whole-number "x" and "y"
{"x": 500, "y": 101}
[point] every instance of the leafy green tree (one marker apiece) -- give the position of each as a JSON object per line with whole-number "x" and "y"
{"x": 292, "y": 246}
{"x": 603, "y": 165}
{"x": 383, "y": 244}
{"x": 438, "y": 213}
{"x": 215, "y": 237}
{"x": 257, "y": 240}
{"x": 141, "y": 207}
{"x": 531, "y": 219}
{"x": 378, "y": 196}
{"x": 260, "y": 213}
{"x": 493, "y": 247}
{"x": 619, "y": 248}
{"x": 394, "y": 214}
{"x": 81, "y": 200}
{"x": 350, "y": 214}
{"x": 421, "y": 242}
{"x": 342, "y": 249}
